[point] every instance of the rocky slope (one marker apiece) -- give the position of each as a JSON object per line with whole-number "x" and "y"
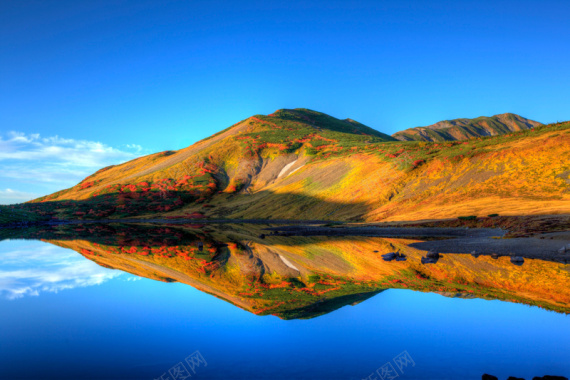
{"x": 465, "y": 129}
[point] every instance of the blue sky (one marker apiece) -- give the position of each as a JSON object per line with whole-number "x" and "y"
{"x": 85, "y": 84}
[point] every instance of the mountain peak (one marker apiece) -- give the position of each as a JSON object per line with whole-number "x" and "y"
{"x": 322, "y": 121}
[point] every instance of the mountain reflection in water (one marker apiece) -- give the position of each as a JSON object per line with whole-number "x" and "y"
{"x": 300, "y": 276}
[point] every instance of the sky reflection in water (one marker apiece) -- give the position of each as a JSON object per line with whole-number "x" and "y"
{"x": 125, "y": 329}
{"x": 29, "y": 268}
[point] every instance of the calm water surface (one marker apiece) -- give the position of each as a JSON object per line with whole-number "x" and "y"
{"x": 63, "y": 316}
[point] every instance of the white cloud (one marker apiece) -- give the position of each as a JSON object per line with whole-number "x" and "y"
{"x": 30, "y": 161}
{"x": 33, "y": 268}
{"x": 9, "y": 196}
{"x": 66, "y": 152}
{"x": 135, "y": 147}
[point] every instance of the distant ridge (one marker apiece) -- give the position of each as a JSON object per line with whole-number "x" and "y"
{"x": 465, "y": 129}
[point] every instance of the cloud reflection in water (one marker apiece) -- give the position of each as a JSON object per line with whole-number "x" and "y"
{"x": 29, "y": 268}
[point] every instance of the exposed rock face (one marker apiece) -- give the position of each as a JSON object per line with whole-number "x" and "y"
{"x": 427, "y": 260}
{"x": 517, "y": 260}
{"x": 394, "y": 256}
{"x": 547, "y": 377}
{"x": 401, "y": 257}
{"x": 432, "y": 255}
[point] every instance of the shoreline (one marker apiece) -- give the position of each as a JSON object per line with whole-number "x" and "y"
{"x": 496, "y": 242}
{"x": 167, "y": 221}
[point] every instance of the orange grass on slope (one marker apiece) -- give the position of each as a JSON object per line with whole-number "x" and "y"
{"x": 236, "y": 174}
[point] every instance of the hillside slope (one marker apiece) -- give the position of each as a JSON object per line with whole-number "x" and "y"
{"x": 465, "y": 129}
{"x": 301, "y": 164}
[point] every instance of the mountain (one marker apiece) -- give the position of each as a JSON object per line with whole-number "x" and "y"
{"x": 302, "y": 164}
{"x": 465, "y": 129}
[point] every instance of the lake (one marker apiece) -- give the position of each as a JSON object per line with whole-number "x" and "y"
{"x": 220, "y": 302}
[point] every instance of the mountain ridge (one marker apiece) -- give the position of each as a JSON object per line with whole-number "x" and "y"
{"x": 464, "y": 128}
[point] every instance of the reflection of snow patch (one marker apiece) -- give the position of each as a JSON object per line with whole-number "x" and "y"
{"x": 296, "y": 170}
{"x": 287, "y": 167}
{"x": 288, "y": 263}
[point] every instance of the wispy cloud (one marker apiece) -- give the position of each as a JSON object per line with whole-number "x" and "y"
{"x": 33, "y": 268}
{"x": 15, "y": 196}
{"x": 29, "y": 162}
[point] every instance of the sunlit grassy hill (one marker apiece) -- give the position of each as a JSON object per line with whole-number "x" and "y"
{"x": 465, "y": 129}
{"x": 301, "y": 164}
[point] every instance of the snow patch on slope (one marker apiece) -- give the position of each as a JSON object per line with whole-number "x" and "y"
{"x": 286, "y": 167}
{"x": 288, "y": 263}
{"x": 296, "y": 170}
